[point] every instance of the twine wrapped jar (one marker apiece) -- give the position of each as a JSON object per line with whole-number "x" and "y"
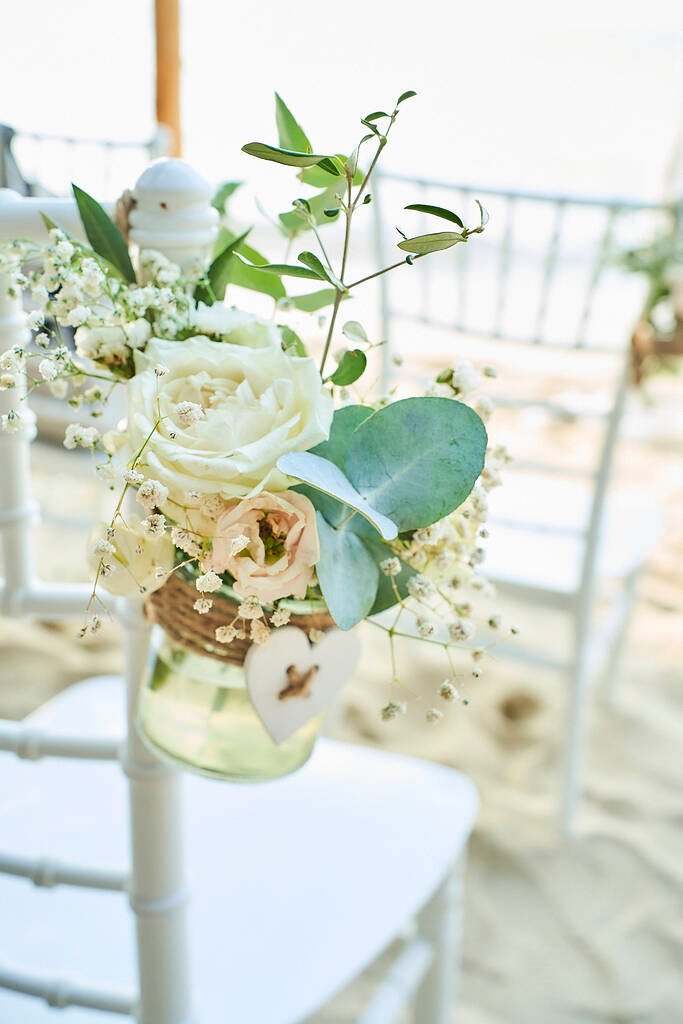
{"x": 194, "y": 707}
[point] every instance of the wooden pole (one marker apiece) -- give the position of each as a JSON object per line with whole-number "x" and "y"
{"x": 167, "y": 34}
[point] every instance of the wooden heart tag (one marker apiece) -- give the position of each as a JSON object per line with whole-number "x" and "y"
{"x": 289, "y": 681}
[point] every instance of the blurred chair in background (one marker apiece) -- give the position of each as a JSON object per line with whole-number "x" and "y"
{"x": 541, "y": 297}
{"x": 37, "y": 164}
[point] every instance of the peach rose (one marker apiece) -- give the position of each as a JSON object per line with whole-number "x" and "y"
{"x": 269, "y": 543}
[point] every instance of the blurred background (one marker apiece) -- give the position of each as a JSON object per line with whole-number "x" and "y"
{"x": 568, "y": 125}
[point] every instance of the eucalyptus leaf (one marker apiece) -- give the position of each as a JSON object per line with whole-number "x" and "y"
{"x": 327, "y": 477}
{"x": 295, "y": 222}
{"x": 437, "y": 211}
{"x": 484, "y": 214}
{"x": 344, "y": 422}
{"x": 417, "y": 459}
{"x": 386, "y": 594}
{"x": 310, "y": 260}
{"x": 280, "y": 269}
{"x": 375, "y": 114}
{"x": 244, "y": 276}
{"x": 351, "y": 367}
{"x": 331, "y": 213}
{"x": 318, "y": 177}
{"x": 249, "y": 276}
{"x": 347, "y": 573}
{"x": 355, "y": 332}
{"x": 103, "y": 234}
{"x": 290, "y": 133}
{"x": 313, "y": 301}
{"x": 373, "y": 128}
{"x": 331, "y": 165}
{"x": 422, "y": 244}
{"x": 405, "y": 96}
{"x": 291, "y": 342}
{"x": 291, "y": 158}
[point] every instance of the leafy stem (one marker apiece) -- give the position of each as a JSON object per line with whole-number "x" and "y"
{"x": 348, "y": 214}
{"x": 385, "y": 270}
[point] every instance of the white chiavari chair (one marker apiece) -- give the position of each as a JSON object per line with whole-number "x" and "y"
{"x": 253, "y": 904}
{"x": 541, "y": 295}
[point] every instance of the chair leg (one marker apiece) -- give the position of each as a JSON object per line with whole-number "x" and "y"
{"x": 579, "y": 676}
{"x": 615, "y": 658}
{"x": 157, "y": 887}
{"x": 440, "y": 923}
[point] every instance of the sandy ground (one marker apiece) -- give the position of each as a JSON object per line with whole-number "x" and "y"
{"x": 582, "y": 932}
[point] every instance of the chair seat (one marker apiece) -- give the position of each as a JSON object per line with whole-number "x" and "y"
{"x": 296, "y": 884}
{"x": 535, "y": 542}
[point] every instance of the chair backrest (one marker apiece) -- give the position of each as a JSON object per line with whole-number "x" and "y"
{"x": 35, "y": 163}
{"x": 540, "y": 289}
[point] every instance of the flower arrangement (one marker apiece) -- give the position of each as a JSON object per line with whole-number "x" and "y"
{"x": 258, "y": 472}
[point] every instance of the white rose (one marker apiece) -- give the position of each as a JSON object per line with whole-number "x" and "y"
{"x": 258, "y": 403}
{"x": 235, "y": 326}
{"x": 132, "y": 566}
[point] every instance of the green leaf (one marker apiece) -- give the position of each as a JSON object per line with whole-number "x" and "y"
{"x": 291, "y": 342}
{"x": 417, "y": 459}
{"x": 483, "y": 213}
{"x": 351, "y": 367}
{"x": 219, "y": 273}
{"x": 437, "y": 211}
{"x": 246, "y": 276}
{"x": 326, "y": 476}
{"x": 367, "y": 198}
{"x": 290, "y": 134}
{"x": 318, "y": 177}
{"x": 47, "y": 221}
{"x": 405, "y": 96}
{"x": 344, "y": 422}
{"x": 242, "y": 274}
{"x": 347, "y": 573}
{"x": 386, "y": 595}
{"x": 331, "y": 213}
{"x": 103, "y": 234}
{"x": 288, "y": 157}
{"x": 331, "y": 165}
{"x": 313, "y": 301}
{"x": 280, "y": 269}
{"x": 310, "y": 260}
{"x": 294, "y": 221}
{"x": 422, "y": 244}
{"x": 375, "y": 114}
{"x": 223, "y": 193}
{"x": 355, "y": 332}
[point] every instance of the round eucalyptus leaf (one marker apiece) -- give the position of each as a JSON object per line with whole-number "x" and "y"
{"x": 351, "y": 367}
{"x": 347, "y": 573}
{"x": 417, "y": 460}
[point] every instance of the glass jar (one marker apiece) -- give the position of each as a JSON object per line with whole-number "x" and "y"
{"x": 194, "y": 711}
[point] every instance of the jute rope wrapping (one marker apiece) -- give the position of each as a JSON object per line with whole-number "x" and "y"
{"x": 172, "y": 608}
